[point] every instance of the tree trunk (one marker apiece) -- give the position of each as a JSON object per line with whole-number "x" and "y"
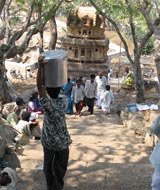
{"x": 139, "y": 85}
{"x": 4, "y": 91}
{"x": 157, "y": 53}
{"x": 53, "y": 29}
{"x": 157, "y": 62}
{"x": 41, "y": 42}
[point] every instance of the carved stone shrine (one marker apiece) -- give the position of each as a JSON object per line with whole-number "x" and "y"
{"x": 86, "y": 43}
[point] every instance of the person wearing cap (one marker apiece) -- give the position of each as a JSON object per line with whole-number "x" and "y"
{"x": 55, "y": 137}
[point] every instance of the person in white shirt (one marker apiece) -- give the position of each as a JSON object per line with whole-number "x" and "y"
{"x": 8, "y": 179}
{"x": 107, "y": 99}
{"x": 101, "y": 84}
{"x": 23, "y": 125}
{"x": 90, "y": 92}
{"x": 77, "y": 96}
{"x": 28, "y": 125}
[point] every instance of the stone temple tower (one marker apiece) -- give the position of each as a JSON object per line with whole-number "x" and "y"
{"x": 86, "y": 43}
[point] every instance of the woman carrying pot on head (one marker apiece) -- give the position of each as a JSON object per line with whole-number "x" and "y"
{"x": 55, "y": 137}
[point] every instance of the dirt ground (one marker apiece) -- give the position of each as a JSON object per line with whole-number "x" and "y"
{"x": 104, "y": 155}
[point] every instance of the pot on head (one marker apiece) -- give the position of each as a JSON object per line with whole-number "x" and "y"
{"x": 55, "y": 69}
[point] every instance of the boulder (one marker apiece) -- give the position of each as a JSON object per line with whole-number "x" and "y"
{"x": 141, "y": 122}
{"x": 6, "y": 136}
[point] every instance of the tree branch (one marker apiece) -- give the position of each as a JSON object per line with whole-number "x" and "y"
{"x": 2, "y": 4}
{"x": 12, "y": 50}
{"x": 116, "y": 28}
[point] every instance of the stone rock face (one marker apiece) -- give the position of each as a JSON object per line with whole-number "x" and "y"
{"x": 85, "y": 43}
{"x": 141, "y": 122}
{"x": 6, "y": 136}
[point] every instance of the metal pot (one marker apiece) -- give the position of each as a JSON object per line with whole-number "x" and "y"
{"x": 55, "y": 70}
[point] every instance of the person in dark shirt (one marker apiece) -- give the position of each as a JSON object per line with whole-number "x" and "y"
{"x": 55, "y": 137}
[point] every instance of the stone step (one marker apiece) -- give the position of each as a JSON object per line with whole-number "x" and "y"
{"x": 93, "y": 176}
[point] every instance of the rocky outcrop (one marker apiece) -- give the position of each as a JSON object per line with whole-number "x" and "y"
{"x": 141, "y": 122}
{"x": 6, "y": 136}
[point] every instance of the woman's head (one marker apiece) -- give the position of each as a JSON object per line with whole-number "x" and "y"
{"x": 53, "y": 92}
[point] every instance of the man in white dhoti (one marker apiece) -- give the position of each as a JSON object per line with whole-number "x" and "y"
{"x": 101, "y": 84}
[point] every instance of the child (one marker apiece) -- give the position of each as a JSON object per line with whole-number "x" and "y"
{"x": 90, "y": 91}
{"x": 77, "y": 96}
{"x": 8, "y": 179}
{"x": 107, "y": 99}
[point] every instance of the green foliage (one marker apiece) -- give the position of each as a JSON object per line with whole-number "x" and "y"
{"x": 20, "y": 1}
{"x": 67, "y": 8}
{"x": 15, "y": 19}
{"x": 149, "y": 47}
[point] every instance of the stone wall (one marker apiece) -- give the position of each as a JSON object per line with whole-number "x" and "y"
{"x": 141, "y": 122}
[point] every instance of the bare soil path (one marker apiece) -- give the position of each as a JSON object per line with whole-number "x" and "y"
{"x": 104, "y": 155}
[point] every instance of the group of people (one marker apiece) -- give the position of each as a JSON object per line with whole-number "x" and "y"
{"x": 23, "y": 120}
{"x": 55, "y": 137}
{"x": 23, "y": 117}
{"x": 94, "y": 91}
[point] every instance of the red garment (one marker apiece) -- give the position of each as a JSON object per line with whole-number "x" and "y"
{"x": 79, "y": 107}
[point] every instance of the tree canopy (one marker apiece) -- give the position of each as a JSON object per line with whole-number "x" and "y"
{"x": 135, "y": 14}
{"x": 21, "y": 19}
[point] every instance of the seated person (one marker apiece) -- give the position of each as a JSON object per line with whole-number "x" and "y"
{"x": 8, "y": 178}
{"x": 34, "y": 126}
{"x": 25, "y": 126}
{"x": 10, "y": 107}
{"x": 33, "y": 105}
{"x": 13, "y": 117}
